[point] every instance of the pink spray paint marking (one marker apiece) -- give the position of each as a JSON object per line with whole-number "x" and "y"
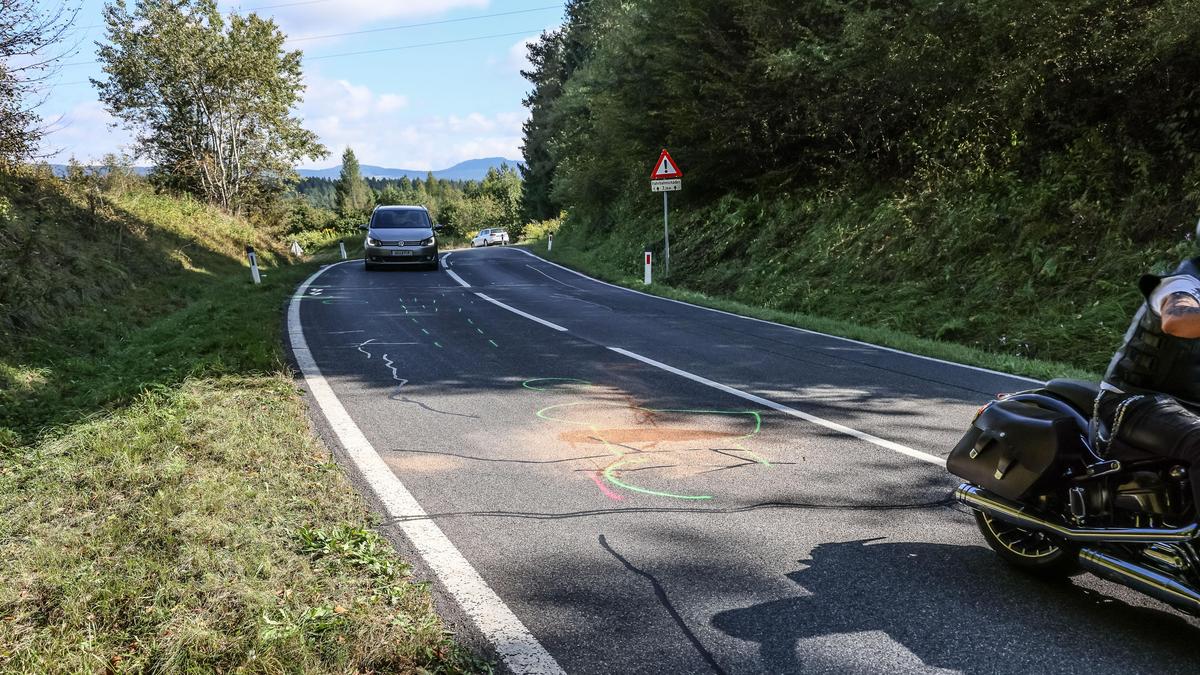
{"x": 595, "y": 476}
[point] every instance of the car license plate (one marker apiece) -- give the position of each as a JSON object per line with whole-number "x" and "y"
{"x": 402, "y": 252}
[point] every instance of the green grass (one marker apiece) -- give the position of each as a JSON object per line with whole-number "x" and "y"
{"x": 164, "y": 505}
{"x": 600, "y": 267}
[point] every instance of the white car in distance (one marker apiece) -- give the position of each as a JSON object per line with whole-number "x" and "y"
{"x": 489, "y": 237}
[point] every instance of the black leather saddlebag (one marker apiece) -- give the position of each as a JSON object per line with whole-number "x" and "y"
{"x": 1011, "y": 446}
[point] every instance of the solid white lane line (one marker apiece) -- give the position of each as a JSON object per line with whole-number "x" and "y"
{"x": 834, "y": 426}
{"x": 514, "y": 310}
{"x": 781, "y": 325}
{"x": 521, "y": 651}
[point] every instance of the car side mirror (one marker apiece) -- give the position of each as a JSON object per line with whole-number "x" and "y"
{"x": 364, "y": 228}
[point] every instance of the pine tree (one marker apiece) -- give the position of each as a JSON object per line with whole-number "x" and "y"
{"x": 353, "y": 195}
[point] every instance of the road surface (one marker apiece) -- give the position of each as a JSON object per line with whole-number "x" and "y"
{"x": 646, "y": 486}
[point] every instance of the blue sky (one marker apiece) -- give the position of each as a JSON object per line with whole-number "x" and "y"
{"x": 425, "y": 107}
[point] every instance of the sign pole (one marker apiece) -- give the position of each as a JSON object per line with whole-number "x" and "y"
{"x": 666, "y": 240}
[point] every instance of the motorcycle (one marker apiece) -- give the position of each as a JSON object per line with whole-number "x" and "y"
{"x": 1055, "y": 495}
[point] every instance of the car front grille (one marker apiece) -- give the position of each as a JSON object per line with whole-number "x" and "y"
{"x": 400, "y": 243}
{"x": 402, "y": 259}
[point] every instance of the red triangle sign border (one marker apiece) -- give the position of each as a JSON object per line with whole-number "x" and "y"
{"x": 665, "y": 168}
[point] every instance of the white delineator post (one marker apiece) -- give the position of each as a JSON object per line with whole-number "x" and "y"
{"x": 253, "y": 265}
{"x": 646, "y": 279}
{"x": 550, "y": 242}
{"x": 342, "y": 248}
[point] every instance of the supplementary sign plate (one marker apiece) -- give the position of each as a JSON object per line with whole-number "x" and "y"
{"x": 666, "y": 185}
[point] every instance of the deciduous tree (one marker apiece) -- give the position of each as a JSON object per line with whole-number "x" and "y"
{"x": 31, "y": 46}
{"x": 209, "y": 97}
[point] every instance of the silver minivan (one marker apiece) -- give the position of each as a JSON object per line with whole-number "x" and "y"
{"x": 400, "y": 236}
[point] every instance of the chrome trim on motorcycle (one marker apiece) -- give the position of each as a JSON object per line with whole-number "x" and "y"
{"x": 1142, "y": 579}
{"x": 997, "y": 507}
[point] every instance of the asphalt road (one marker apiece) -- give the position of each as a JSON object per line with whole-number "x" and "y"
{"x": 638, "y": 520}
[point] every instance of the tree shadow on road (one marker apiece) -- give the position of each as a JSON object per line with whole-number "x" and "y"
{"x": 953, "y": 607}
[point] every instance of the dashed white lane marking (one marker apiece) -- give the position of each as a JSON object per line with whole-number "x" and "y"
{"x": 780, "y": 325}
{"x": 834, "y": 426}
{"x": 521, "y": 651}
{"x": 514, "y": 310}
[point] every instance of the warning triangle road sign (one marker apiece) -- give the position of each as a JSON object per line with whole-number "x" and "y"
{"x": 665, "y": 168}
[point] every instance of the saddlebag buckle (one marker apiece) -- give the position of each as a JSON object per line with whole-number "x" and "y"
{"x": 1103, "y": 468}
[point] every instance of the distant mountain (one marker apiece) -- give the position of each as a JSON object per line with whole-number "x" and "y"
{"x": 472, "y": 169}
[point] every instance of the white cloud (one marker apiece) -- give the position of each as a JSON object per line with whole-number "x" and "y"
{"x": 324, "y": 97}
{"x": 384, "y": 132}
{"x": 518, "y": 54}
{"x": 320, "y": 18}
{"x": 84, "y": 132}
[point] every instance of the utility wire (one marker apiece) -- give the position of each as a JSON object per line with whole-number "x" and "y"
{"x": 427, "y": 23}
{"x": 424, "y": 44}
{"x": 367, "y": 51}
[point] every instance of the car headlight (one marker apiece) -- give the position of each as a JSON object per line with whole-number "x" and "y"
{"x": 428, "y": 242}
{"x": 372, "y": 241}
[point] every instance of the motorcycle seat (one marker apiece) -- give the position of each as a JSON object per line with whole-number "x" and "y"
{"x": 1079, "y": 393}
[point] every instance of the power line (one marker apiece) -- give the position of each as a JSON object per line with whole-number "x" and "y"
{"x": 425, "y": 44}
{"x": 427, "y": 23}
{"x": 367, "y": 51}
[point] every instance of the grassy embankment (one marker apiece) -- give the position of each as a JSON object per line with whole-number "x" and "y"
{"x": 163, "y": 504}
{"x": 937, "y": 277}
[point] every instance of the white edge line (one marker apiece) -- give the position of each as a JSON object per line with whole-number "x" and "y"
{"x": 782, "y": 325}
{"x": 521, "y": 651}
{"x": 767, "y": 403}
{"x": 514, "y": 310}
{"x": 446, "y": 261}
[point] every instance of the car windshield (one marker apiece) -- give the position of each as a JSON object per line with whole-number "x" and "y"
{"x": 400, "y": 218}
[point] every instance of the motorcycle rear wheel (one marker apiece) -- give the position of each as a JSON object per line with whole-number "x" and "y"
{"x": 1030, "y": 551}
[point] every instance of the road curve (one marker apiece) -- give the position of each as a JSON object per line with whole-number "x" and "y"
{"x": 649, "y": 486}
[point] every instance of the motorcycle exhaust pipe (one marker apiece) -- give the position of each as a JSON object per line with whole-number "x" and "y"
{"x": 1011, "y": 512}
{"x": 1152, "y": 583}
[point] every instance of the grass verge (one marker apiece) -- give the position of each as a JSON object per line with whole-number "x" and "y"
{"x": 594, "y": 266}
{"x": 164, "y": 505}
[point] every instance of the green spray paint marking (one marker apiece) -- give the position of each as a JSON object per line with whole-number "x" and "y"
{"x": 415, "y": 319}
{"x": 608, "y": 475}
{"x": 622, "y": 458}
{"x": 493, "y": 343}
{"x": 528, "y": 385}
{"x": 479, "y": 330}
{"x": 439, "y": 345}
{"x": 425, "y": 331}
{"x": 470, "y": 322}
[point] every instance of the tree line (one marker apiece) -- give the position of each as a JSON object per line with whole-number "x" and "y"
{"x": 462, "y": 206}
{"x": 990, "y": 172}
{"x": 783, "y": 95}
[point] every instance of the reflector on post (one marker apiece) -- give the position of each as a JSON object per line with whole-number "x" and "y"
{"x": 646, "y": 279}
